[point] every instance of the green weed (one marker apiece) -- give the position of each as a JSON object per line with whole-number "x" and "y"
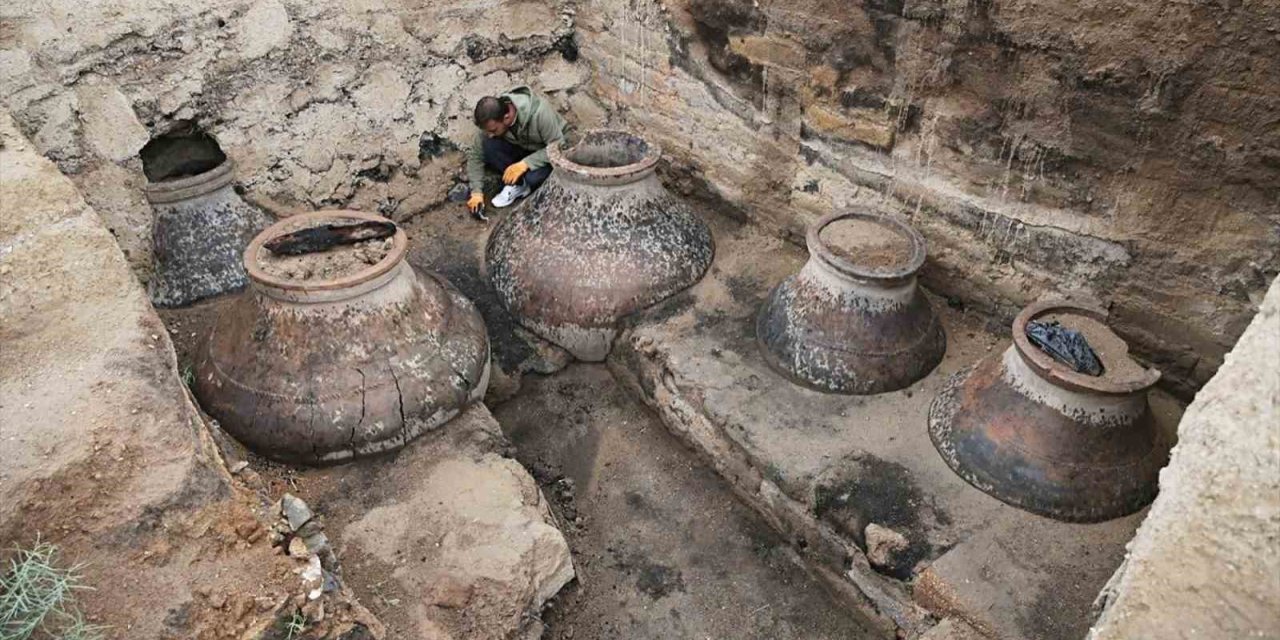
{"x": 38, "y": 598}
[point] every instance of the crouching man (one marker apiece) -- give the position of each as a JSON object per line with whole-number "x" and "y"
{"x": 515, "y": 129}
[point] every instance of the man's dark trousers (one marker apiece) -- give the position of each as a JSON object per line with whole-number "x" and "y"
{"x": 500, "y": 154}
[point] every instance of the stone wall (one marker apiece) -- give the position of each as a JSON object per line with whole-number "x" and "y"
{"x": 321, "y": 104}
{"x": 1126, "y": 154}
{"x": 1204, "y": 564}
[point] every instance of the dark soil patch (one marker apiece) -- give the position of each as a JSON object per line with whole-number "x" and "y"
{"x": 663, "y": 549}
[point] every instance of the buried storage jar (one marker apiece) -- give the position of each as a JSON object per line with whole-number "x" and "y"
{"x": 853, "y": 320}
{"x": 201, "y": 224}
{"x": 602, "y": 239}
{"x": 342, "y": 353}
{"x": 1036, "y": 434}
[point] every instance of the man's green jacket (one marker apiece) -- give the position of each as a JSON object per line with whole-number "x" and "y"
{"x": 537, "y": 125}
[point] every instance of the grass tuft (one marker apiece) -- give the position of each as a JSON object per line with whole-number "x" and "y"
{"x": 297, "y": 625}
{"x": 37, "y": 598}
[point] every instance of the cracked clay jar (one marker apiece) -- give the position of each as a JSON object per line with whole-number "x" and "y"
{"x": 602, "y": 239}
{"x": 322, "y": 360}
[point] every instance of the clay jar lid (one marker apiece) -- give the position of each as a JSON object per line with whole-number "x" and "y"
{"x": 323, "y": 290}
{"x": 605, "y": 157}
{"x": 902, "y": 238}
{"x": 179, "y": 189}
{"x": 1121, "y": 376}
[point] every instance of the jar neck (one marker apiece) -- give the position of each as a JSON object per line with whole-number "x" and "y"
{"x": 575, "y": 175}
{"x": 322, "y": 294}
{"x": 170, "y": 191}
{"x": 1080, "y": 406}
{"x": 828, "y": 276}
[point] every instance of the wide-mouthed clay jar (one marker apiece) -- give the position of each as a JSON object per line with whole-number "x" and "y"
{"x": 340, "y": 354}
{"x": 600, "y": 240}
{"x": 200, "y": 233}
{"x": 853, "y": 320}
{"x": 1036, "y": 434}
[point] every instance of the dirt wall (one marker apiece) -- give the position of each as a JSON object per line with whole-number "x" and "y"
{"x": 1126, "y": 154}
{"x": 1204, "y": 563}
{"x": 1123, "y": 154}
{"x": 320, "y": 104}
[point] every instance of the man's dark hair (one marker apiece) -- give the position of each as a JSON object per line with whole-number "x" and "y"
{"x": 490, "y": 108}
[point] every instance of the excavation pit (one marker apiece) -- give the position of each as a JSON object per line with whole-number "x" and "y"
{"x": 825, "y": 467}
{"x": 818, "y": 469}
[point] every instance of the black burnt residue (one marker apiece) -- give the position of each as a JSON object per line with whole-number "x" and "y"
{"x": 567, "y": 45}
{"x": 652, "y": 578}
{"x": 658, "y": 580}
{"x": 746, "y": 290}
{"x": 861, "y": 98}
{"x": 867, "y": 489}
{"x": 478, "y": 48}
{"x": 663, "y": 310}
{"x": 183, "y": 151}
{"x": 432, "y": 145}
{"x": 380, "y": 172}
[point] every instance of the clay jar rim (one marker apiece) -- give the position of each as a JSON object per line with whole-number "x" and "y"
{"x": 1060, "y": 375}
{"x": 883, "y": 275}
{"x": 167, "y": 191}
{"x": 623, "y": 174}
{"x": 399, "y": 248}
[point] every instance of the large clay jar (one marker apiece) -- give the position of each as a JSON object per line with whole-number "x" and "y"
{"x": 853, "y": 320}
{"x": 201, "y": 230}
{"x": 600, "y": 240}
{"x": 329, "y": 368}
{"x": 1032, "y": 432}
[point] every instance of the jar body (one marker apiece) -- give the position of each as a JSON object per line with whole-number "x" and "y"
{"x": 837, "y": 335}
{"x": 578, "y": 257}
{"x": 322, "y": 376}
{"x": 853, "y": 320}
{"x": 201, "y": 228}
{"x": 1035, "y": 434}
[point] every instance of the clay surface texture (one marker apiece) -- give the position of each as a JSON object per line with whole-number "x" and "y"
{"x": 201, "y": 230}
{"x": 1031, "y": 432}
{"x": 853, "y": 320}
{"x": 600, "y": 240}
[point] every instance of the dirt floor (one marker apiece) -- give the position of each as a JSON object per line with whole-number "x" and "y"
{"x": 663, "y": 549}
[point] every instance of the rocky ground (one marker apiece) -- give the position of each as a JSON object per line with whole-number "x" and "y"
{"x": 106, "y": 457}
